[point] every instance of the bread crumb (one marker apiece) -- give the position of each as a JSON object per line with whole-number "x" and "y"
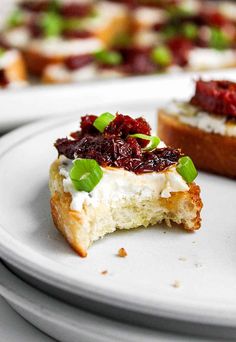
{"x": 104, "y": 272}
{"x": 182, "y": 259}
{"x": 122, "y": 253}
{"x": 176, "y": 284}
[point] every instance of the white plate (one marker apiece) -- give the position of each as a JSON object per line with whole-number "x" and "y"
{"x": 203, "y": 262}
{"x": 68, "y": 324}
{"x": 20, "y": 106}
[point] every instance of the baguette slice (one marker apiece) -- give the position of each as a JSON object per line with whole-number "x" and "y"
{"x": 82, "y": 227}
{"x": 210, "y": 151}
{"x": 13, "y": 65}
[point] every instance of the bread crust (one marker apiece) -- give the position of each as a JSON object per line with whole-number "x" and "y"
{"x": 37, "y": 62}
{"x": 210, "y": 151}
{"x": 16, "y": 71}
{"x": 72, "y": 223}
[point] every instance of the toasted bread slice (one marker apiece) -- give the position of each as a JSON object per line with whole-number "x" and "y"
{"x": 210, "y": 151}
{"x": 14, "y": 67}
{"x": 82, "y": 227}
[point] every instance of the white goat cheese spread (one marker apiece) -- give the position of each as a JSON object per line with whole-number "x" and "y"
{"x": 8, "y": 58}
{"x": 196, "y": 117}
{"x": 63, "y": 47}
{"x": 117, "y": 184}
{"x": 204, "y": 58}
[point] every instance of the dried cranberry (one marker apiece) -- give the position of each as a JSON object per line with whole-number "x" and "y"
{"x": 35, "y": 6}
{"x": 86, "y": 124}
{"x": 77, "y": 34}
{"x": 66, "y": 147}
{"x": 75, "y": 10}
{"x": 217, "y": 97}
{"x": 35, "y": 29}
{"x": 4, "y": 82}
{"x": 4, "y": 44}
{"x": 124, "y": 125}
{"x": 77, "y": 62}
{"x": 114, "y": 151}
{"x": 138, "y": 61}
{"x": 180, "y": 48}
{"x": 214, "y": 18}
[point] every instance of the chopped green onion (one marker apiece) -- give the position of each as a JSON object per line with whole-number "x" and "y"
{"x": 16, "y": 18}
{"x": 170, "y": 31}
{"x": 85, "y": 174}
{"x": 103, "y": 121}
{"x": 52, "y": 24}
{"x": 72, "y": 24}
{"x": 53, "y": 6}
{"x": 218, "y": 39}
{"x": 162, "y": 56}
{"x": 187, "y": 169}
{"x": 154, "y": 141}
{"x": 2, "y": 51}
{"x": 190, "y": 31}
{"x": 108, "y": 57}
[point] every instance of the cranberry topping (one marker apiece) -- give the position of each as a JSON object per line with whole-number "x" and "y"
{"x": 115, "y": 147}
{"x": 124, "y": 125}
{"x": 4, "y": 44}
{"x": 137, "y": 61}
{"x": 4, "y": 82}
{"x": 86, "y": 124}
{"x": 77, "y": 62}
{"x": 213, "y": 18}
{"x": 115, "y": 151}
{"x": 180, "y": 48}
{"x": 35, "y": 29}
{"x": 75, "y": 10}
{"x": 77, "y": 34}
{"x": 38, "y": 6}
{"x": 217, "y": 97}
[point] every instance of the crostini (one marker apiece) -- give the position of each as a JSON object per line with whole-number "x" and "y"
{"x": 205, "y": 127}
{"x": 48, "y": 32}
{"x": 112, "y": 174}
{"x": 12, "y": 68}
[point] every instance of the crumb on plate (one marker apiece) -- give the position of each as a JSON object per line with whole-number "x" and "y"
{"x": 104, "y": 272}
{"x": 176, "y": 284}
{"x": 122, "y": 253}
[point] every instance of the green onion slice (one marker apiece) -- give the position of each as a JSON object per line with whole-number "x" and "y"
{"x": 108, "y": 57}
{"x": 190, "y": 31}
{"x": 154, "y": 141}
{"x": 85, "y": 174}
{"x": 16, "y": 18}
{"x": 52, "y": 24}
{"x": 72, "y": 24}
{"x": 2, "y": 51}
{"x": 103, "y": 121}
{"x": 162, "y": 56}
{"x": 218, "y": 39}
{"x": 187, "y": 169}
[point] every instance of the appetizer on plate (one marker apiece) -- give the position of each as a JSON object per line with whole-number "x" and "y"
{"x": 205, "y": 127}
{"x": 102, "y": 64}
{"x": 48, "y": 32}
{"x": 112, "y": 174}
{"x": 12, "y": 68}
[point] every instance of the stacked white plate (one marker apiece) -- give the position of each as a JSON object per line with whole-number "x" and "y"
{"x": 170, "y": 280}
